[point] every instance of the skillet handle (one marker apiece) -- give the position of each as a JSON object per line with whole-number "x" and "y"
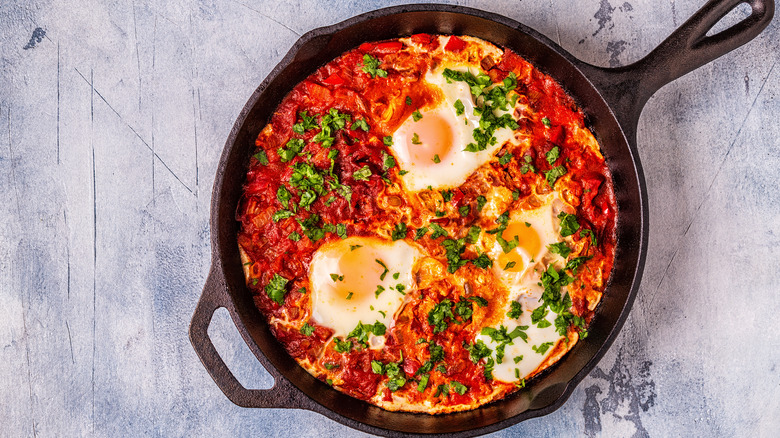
{"x": 628, "y": 88}
{"x": 215, "y": 295}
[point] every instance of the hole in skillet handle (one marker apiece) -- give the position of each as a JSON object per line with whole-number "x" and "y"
{"x": 215, "y": 296}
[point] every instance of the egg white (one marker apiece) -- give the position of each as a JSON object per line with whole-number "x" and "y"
{"x": 456, "y": 164}
{"x": 350, "y": 266}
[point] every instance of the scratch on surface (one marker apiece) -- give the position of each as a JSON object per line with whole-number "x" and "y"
{"x": 67, "y": 250}
{"x": 13, "y": 164}
{"x": 70, "y": 340}
{"x": 94, "y": 233}
{"x": 154, "y": 64}
{"x": 58, "y": 102}
{"x": 29, "y": 368}
{"x": 195, "y": 77}
{"x": 135, "y": 132}
{"x": 712, "y": 181}
{"x": 674, "y": 14}
{"x": 267, "y": 17}
{"x": 557, "y": 28}
{"x": 137, "y": 55}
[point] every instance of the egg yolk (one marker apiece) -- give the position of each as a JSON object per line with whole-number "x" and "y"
{"x": 360, "y": 277}
{"x": 528, "y": 241}
{"x": 433, "y": 138}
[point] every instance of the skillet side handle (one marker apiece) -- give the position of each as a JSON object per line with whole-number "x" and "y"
{"x": 628, "y": 88}
{"x": 215, "y": 295}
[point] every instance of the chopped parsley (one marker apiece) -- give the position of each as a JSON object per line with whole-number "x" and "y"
{"x": 362, "y": 174}
{"x": 408, "y": 101}
{"x": 481, "y": 201}
{"x": 464, "y": 210}
{"x": 473, "y": 235}
{"x": 569, "y": 224}
{"x": 552, "y": 155}
{"x": 437, "y": 231}
{"x": 420, "y": 233}
{"x": 388, "y": 161}
{"x": 483, "y": 261}
{"x": 387, "y": 140}
{"x": 307, "y": 123}
{"x": 261, "y": 158}
{"x": 438, "y": 316}
{"x": 342, "y": 346}
{"x": 416, "y": 115}
{"x": 459, "y": 108}
{"x": 294, "y": 236}
{"x": 553, "y": 174}
{"x": 458, "y": 387}
{"x": 423, "y": 382}
{"x": 384, "y": 266}
{"x": 293, "y": 147}
{"x": 360, "y": 124}
{"x": 399, "y": 232}
{"x": 586, "y": 232}
{"x": 447, "y": 195}
{"x": 542, "y": 348}
{"x": 416, "y": 139}
{"x": 436, "y": 159}
{"x": 276, "y": 288}
{"x": 560, "y": 248}
{"x": 492, "y": 98}
{"x": 282, "y": 214}
{"x": 528, "y": 166}
{"x": 371, "y": 66}
{"x": 515, "y": 310}
{"x": 505, "y": 159}
{"x": 307, "y": 330}
{"x": 336, "y": 277}
{"x": 546, "y": 122}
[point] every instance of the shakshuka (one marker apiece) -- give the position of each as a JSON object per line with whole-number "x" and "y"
{"x": 427, "y": 223}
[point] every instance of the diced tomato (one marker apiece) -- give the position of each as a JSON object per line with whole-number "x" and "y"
{"x": 457, "y": 197}
{"x": 366, "y": 47}
{"x": 318, "y": 93}
{"x": 455, "y": 44}
{"x": 388, "y": 47}
{"x": 334, "y": 80}
{"x": 421, "y": 38}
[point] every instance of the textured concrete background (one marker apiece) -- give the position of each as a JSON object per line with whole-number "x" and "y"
{"x": 113, "y": 117}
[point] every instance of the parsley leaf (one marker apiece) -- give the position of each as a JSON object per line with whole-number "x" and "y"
{"x": 560, "y": 248}
{"x": 416, "y": 139}
{"x": 416, "y": 115}
{"x": 388, "y": 161}
{"x": 459, "y": 108}
{"x": 276, "y": 288}
{"x": 387, "y": 140}
{"x": 293, "y": 147}
{"x": 261, "y": 157}
{"x": 307, "y": 329}
{"x": 420, "y": 233}
{"x": 362, "y": 174}
{"x": 552, "y": 155}
{"x": 360, "y": 123}
{"x": 447, "y": 195}
{"x": 437, "y": 317}
{"x": 438, "y": 231}
{"x": 553, "y": 174}
{"x": 399, "y": 232}
{"x": 473, "y": 235}
{"x": 458, "y": 387}
{"x": 546, "y": 122}
{"x": 505, "y": 159}
{"x": 371, "y": 66}
{"x": 515, "y": 310}
{"x": 481, "y": 201}
{"x": 569, "y": 224}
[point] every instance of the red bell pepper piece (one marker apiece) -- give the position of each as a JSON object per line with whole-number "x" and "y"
{"x": 455, "y": 44}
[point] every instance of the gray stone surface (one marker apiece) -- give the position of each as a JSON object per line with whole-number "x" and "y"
{"x": 113, "y": 118}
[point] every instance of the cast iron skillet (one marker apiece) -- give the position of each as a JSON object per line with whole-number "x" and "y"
{"x": 612, "y": 100}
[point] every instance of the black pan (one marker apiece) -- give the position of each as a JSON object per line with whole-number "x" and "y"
{"x": 612, "y": 100}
